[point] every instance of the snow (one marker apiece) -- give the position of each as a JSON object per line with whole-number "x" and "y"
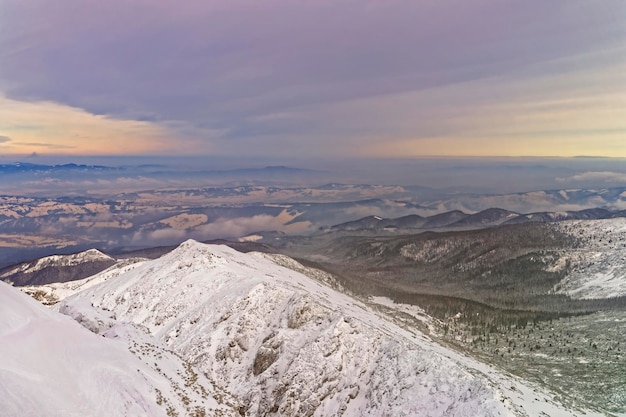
{"x": 286, "y": 344}
{"x": 91, "y": 255}
{"x": 52, "y": 366}
{"x": 55, "y": 292}
{"x": 597, "y": 266}
{"x": 251, "y": 238}
{"x": 185, "y": 221}
{"x": 413, "y": 311}
{"x": 558, "y": 215}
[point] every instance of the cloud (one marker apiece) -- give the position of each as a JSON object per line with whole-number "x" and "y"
{"x": 57, "y": 128}
{"x": 45, "y": 145}
{"x": 241, "y": 226}
{"x": 288, "y": 85}
{"x": 91, "y": 184}
{"x": 596, "y": 176}
{"x": 225, "y": 228}
{"x": 5, "y": 139}
{"x": 164, "y": 235}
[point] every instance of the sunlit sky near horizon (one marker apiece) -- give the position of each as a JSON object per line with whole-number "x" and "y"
{"x": 295, "y": 79}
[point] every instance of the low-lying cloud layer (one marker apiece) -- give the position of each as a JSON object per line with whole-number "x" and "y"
{"x": 226, "y": 228}
{"x": 597, "y": 176}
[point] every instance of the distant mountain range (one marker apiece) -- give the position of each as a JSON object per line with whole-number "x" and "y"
{"x": 457, "y": 219}
{"x": 24, "y": 167}
{"x": 271, "y": 169}
{"x": 34, "y": 225}
{"x": 534, "y": 201}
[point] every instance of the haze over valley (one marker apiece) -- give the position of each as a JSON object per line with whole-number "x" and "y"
{"x": 529, "y": 285}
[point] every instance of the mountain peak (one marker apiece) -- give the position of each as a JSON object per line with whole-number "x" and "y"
{"x": 192, "y": 255}
{"x": 189, "y": 244}
{"x": 286, "y": 344}
{"x": 193, "y": 247}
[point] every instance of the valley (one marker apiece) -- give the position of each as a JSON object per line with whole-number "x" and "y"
{"x": 33, "y": 226}
{"x": 540, "y": 298}
{"x": 542, "y": 301}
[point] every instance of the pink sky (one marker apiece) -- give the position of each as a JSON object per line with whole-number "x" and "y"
{"x": 313, "y": 78}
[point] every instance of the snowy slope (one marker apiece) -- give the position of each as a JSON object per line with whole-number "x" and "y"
{"x": 51, "y": 366}
{"x": 52, "y": 293}
{"x": 597, "y": 266}
{"x": 285, "y": 344}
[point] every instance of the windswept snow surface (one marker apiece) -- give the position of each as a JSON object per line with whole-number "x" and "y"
{"x": 597, "y": 267}
{"x": 55, "y": 292}
{"x": 52, "y": 366}
{"x": 285, "y": 344}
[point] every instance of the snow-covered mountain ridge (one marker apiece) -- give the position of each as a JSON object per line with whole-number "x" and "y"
{"x": 50, "y": 294}
{"x": 91, "y": 255}
{"x": 57, "y": 268}
{"x": 284, "y": 344}
{"x": 597, "y": 267}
